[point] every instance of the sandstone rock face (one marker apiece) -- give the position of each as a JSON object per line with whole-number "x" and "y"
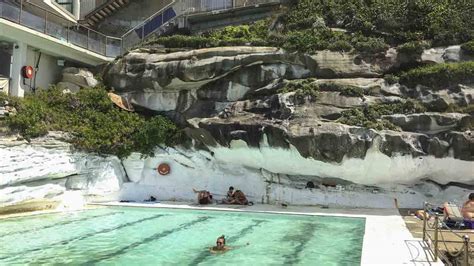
{"x": 193, "y": 83}
{"x": 73, "y": 79}
{"x": 47, "y": 168}
{"x": 269, "y": 175}
{"x": 445, "y": 55}
{"x": 231, "y": 104}
{"x": 247, "y": 130}
{"x": 431, "y": 123}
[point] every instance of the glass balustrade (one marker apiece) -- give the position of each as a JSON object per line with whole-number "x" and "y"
{"x": 41, "y": 20}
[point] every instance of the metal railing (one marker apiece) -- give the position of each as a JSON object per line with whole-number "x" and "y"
{"x": 44, "y": 21}
{"x": 159, "y": 20}
{"x": 434, "y": 235}
{"x": 201, "y": 6}
{"x": 37, "y": 18}
{"x": 164, "y": 18}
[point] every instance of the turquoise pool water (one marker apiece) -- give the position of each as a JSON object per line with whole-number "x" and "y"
{"x": 145, "y": 236}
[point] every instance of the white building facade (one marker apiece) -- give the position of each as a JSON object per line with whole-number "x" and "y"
{"x": 45, "y": 36}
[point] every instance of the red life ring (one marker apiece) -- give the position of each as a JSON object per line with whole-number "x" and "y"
{"x": 163, "y": 169}
{"x": 27, "y": 72}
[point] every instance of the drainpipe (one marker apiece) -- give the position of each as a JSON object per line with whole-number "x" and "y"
{"x": 76, "y": 9}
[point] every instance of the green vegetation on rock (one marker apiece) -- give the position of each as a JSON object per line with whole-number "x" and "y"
{"x": 414, "y": 48}
{"x": 254, "y": 34}
{"x": 94, "y": 123}
{"x": 302, "y": 88}
{"x": 443, "y": 22}
{"x": 371, "y": 116}
{"x": 367, "y": 27}
{"x": 391, "y": 79}
{"x": 440, "y": 75}
{"x": 468, "y": 47}
{"x": 309, "y": 87}
{"x": 345, "y": 90}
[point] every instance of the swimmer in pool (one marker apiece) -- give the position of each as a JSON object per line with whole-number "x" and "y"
{"x": 220, "y": 246}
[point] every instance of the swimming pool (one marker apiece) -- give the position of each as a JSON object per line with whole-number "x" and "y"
{"x": 144, "y": 236}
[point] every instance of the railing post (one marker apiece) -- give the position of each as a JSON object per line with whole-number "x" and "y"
{"x": 88, "y": 37}
{"x": 436, "y": 238}
{"x": 67, "y": 31}
{"x": 424, "y": 221}
{"x": 21, "y": 11}
{"x": 466, "y": 249}
{"x": 45, "y": 21}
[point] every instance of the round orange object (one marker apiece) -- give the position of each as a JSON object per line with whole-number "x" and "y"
{"x": 27, "y": 72}
{"x": 163, "y": 169}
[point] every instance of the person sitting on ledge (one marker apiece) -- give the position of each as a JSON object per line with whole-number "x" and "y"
{"x": 230, "y": 196}
{"x": 204, "y": 196}
{"x": 239, "y": 198}
{"x": 468, "y": 208}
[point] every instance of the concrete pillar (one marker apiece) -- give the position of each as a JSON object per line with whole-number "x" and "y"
{"x": 19, "y": 60}
{"x": 76, "y": 9}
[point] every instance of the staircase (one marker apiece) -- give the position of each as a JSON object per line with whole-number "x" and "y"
{"x": 104, "y": 9}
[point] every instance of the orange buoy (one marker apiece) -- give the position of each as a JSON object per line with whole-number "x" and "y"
{"x": 27, "y": 72}
{"x": 163, "y": 169}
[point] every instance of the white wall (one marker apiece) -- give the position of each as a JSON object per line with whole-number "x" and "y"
{"x": 200, "y": 170}
{"x": 49, "y": 72}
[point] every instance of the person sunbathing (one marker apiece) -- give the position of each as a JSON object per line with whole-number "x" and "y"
{"x": 229, "y": 197}
{"x": 204, "y": 196}
{"x": 239, "y": 198}
{"x": 468, "y": 208}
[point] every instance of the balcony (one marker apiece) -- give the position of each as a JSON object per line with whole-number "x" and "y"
{"x": 43, "y": 21}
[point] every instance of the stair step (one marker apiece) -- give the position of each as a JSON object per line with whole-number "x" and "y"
{"x": 105, "y": 11}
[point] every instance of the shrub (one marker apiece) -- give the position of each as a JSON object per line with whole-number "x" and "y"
{"x": 443, "y": 22}
{"x": 340, "y": 45}
{"x": 183, "y": 41}
{"x": 391, "y": 79}
{"x": 414, "y": 48}
{"x": 440, "y": 75}
{"x": 345, "y": 90}
{"x": 93, "y": 121}
{"x": 452, "y": 108}
{"x": 468, "y": 47}
{"x": 370, "y": 45}
{"x": 371, "y": 116}
{"x": 302, "y": 88}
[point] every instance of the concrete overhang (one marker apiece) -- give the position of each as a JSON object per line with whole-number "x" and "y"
{"x": 12, "y": 32}
{"x": 55, "y": 8}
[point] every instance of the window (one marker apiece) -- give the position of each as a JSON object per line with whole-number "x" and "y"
{"x": 66, "y": 4}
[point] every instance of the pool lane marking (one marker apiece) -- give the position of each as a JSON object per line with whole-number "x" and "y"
{"x": 65, "y": 242}
{"x": 205, "y": 254}
{"x": 303, "y": 236}
{"x": 146, "y": 240}
{"x": 60, "y": 223}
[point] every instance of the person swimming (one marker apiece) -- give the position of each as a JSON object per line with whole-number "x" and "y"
{"x": 220, "y": 246}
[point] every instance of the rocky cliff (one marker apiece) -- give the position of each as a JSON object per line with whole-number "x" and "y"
{"x": 47, "y": 173}
{"x": 235, "y": 103}
{"x": 283, "y": 127}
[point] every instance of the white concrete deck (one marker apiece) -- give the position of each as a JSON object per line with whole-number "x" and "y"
{"x": 11, "y": 31}
{"x": 387, "y": 240}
